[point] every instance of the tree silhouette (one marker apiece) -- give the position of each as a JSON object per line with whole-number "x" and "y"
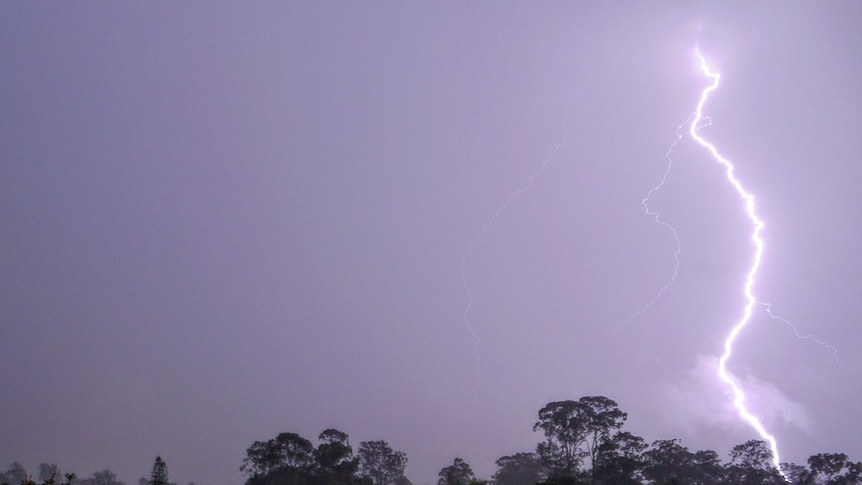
{"x": 575, "y": 430}
{"x": 159, "y": 475}
{"x": 334, "y": 458}
{"x": 519, "y": 469}
{"x": 380, "y": 463}
{"x": 458, "y": 473}
{"x": 751, "y": 464}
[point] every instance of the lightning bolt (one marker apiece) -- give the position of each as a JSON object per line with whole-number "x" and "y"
{"x": 798, "y": 335}
{"x": 658, "y": 220}
{"x": 487, "y": 227}
{"x": 748, "y": 199}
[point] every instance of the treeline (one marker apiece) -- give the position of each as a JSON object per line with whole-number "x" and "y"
{"x": 50, "y": 474}
{"x": 291, "y": 459}
{"x": 584, "y": 444}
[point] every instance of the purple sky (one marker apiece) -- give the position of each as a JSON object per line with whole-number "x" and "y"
{"x": 224, "y": 221}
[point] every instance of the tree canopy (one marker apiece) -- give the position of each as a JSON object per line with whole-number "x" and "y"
{"x": 380, "y": 464}
{"x": 159, "y": 475}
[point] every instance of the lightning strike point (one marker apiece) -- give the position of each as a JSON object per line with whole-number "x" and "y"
{"x": 757, "y": 240}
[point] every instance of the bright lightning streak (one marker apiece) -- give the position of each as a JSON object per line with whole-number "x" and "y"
{"x": 487, "y": 227}
{"x": 739, "y": 395}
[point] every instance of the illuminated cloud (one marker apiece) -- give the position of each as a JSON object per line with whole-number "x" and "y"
{"x": 701, "y": 400}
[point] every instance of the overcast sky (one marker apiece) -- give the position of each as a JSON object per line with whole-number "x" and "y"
{"x": 221, "y": 221}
